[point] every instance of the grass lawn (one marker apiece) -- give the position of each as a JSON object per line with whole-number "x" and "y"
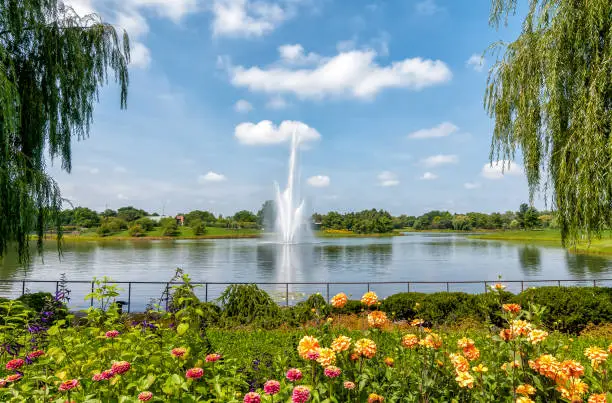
{"x": 350, "y": 234}
{"x": 184, "y": 233}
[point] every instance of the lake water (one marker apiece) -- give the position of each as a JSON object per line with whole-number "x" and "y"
{"x": 414, "y": 257}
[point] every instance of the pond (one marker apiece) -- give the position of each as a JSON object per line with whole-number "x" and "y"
{"x": 413, "y": 257}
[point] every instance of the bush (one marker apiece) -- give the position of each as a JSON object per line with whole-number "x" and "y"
{"x": 198, "y": 227}
{"x": 352, "y": 306}
{"x": 570, "y": 309}
{"x": 137, "y": 231}
{"x": 146, "y": 223}
{"x": 314, "y": 307}
{"x": 35, "y": 301}
{"x": 169, "y": 227}
{"x": 248, "y": 304}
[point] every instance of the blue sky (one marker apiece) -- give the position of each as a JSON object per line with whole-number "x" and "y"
{"x": 387, "y": 96}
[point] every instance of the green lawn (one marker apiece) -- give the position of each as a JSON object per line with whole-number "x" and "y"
{"x": 184, "y": 233}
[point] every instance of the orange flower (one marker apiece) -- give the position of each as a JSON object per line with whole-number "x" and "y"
{"x": 369, "y": 298}
{"x": 417, "y": 322}
{"x": 512, "y": 308}
{"x": 307, "y": 345}
{"x": 520, "y": 327}
{"x": 410, "y": 340}
{"x": 465, "y": 380}
{"x": 572, "y": 369}
{"x": 389, "y": 361}
{"x": 506, "y": 334}
{"x": 546, "y": 365}
{"x": 480, "y": 368}
{"x": 459, "y": 362}
{"x": 432, "y": 340}
{"x": 523, "y": 399}
{"x": 536, "y": 335}
{"x": 339, "y": 300}
{"x": 365, "y": 348}
{"x": 471, "y": 353}
{"x": 597, "y": 398}
{"x": 464, "y": 342}
{"x": 341, "y": 343}
{"x": 610, "y": 349}
{"x": 573, "y": 390}
{"x": 596, "y": 355}
{"x": 377, "y": 319}
{"x": 499, "y": 287}
{"x": 525, "y": 389}
{"x": 327, "y": 357}
{"x": 374, "y": 398}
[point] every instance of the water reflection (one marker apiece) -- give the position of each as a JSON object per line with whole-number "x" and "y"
{"x": 530, "y": 258}
{"x": 584, "y": 265}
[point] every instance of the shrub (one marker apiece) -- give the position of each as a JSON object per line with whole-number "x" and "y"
{"x": 146, "y": 223}
{"x": 352, "y": 306}
{"x": 402, "y": 305}
{"x": 248, "y": 304}
{"x": 198, "y": 227}
{"x": 137, "y": 231}
{"x": 169, "y": 227}
{"x": 35, "y": 301}
{"x": 314, "y": 307}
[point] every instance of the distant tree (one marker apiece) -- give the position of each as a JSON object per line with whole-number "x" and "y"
{"x": 531, "y": 218}
{"x": 520, "y": 214}
{"x": 67, "y": 217}
{"x": 146, "y": 223}
{"x": 198, "y": 227}
{"x": 169, "y": 227}
{"x": 245, "y": 216}
{"x": 462, "y": 223}
{"x": 266, "y": 216}
{"x": 137, "y": 231}
{"x": 108, "y": 213}
{"x": 130, "y": 213}
{"x": 198, "y": 215}
{"x": 85, "y": 217}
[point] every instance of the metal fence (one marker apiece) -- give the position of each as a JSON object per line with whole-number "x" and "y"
{"x": 136, "y": 295}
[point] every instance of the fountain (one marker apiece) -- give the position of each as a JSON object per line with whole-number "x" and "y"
{"x": 290, "y": 220}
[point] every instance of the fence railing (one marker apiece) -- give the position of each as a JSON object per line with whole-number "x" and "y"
{"x": 136, "y": 293}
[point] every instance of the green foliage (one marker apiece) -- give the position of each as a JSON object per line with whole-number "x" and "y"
{"x": 198, "y": 227}
{"x": 130, "y": 213}
{"x": 169, "y": 227}
{"x": 146, "y": 223}
{"x": 198, "y": 215}
{"x": 245, "y": 216}
{"x": 136, "y": 230}
{"x": 35, "y": 301}
{"x": 314, "y": 307}
{"x": 111, "y": 225}
{"x": 367, "y": 221}
{"x": 550, "y": 95}
{"x": 53, "y": 65}
{"x": 248, "y": 304}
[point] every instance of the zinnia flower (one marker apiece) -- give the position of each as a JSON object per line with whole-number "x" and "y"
{"x": 327, "y": 357}
{"x": 432, "y": 340}
{"x": 349, "y": 385}
{"x": 339, "y": 300}
{"x": 597, "y": 398}
{"x": 67, "y": 385}
{"x": 271, "y": 387}
{"x": 595, "y": 354}
{"x": 341, "y": 343}
{"x": 14, "y": 364}
{"x": 537, "y": 335}
{"x": 377, "y": 319}
{"x": 294, "y": 374}
{"x": 308, "y": 344}
{"x": 365, "y": 348}
{"x": 389, "y": 361}
{"x": 332, "y": 372}
{"x": 111, "y": 334}
{"x": 369, "y": 298}
{"x": 416, "y": 322}
{"x": 572, "y": 369}
{"x": 520, "y": 327}
{"x": 506, "y": 334}
{"x": 512, "y": 308}
{"x": 459, "y": 362}
{"x": 108, "y": 374}
{"x": 213, "y": 357}
{"x": 410, "y": 340}
{"x": 194, "y": 373}
{"x": 546, "y": 365}
{"x": 471, "y": 353}
{"x": 524, "y": 399}
{"x": 36, "y": 354}
{"x": 465, "y": 380}
{"x": 97, "y": 378}
{"x": 525, "y": 389}
{"x": 120, "y": 367}
{"x": 179, "y": 352}
{"x": 374, "y": 398}
{"x": 465, "y": 342}
{"x": 145, "y": 396}
{"x": 14, "y": 377}
{"x": 300, "y": 394}
{"x": 2, "y": 383}
{"x": 252, "y": 397}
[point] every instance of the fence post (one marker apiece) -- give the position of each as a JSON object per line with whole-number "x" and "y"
{"x": 328, "y": 293}
{"x": 23, "y": 287}
{"x": 56, "y": 288}
{"x": 522, "y": 285}
{"x": 92, "y": 290}
{"x": 206, "y": 292}
{"x": 167, "y": 295}
{"x": 129, "y": 296}
{"x": 368, "y": 287}
{"x": 408, "y": 286}
{"x": 286, "y": 294}
{"x": 447, "y": 286}
{"x": 594, "y": 283}
{"x": 558, "y": 283}
{"x": 485, "y": 284}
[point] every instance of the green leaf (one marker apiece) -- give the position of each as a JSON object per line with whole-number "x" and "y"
{"x": 182, "y": 328}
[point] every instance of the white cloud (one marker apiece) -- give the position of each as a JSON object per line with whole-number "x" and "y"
{"x": 427, "y": 7}
{"x": 501, "y": 168}
{"x": 471, "y": 185}
{"x": 81, "y": 7}
{"x": 436, "y": 160}
{"x": 243, "y": 106}
{"x": 429, "y": 176}
{"x": 121, "y": 196}
{"x": 294, "y": 54}
{"x": 245, "y": 18}
{"x": 387, "y": 178}
{"x": 351, "y": 73}
{"x": 476, "y": 62}
{"x": 277, "y": 103}
{"x": 265, "y": 132}
{"x": 442, "y": 130}
{"x": 318, "y": 181}
{"x": 211, "y": 177}
{"x": 140, "y": 55}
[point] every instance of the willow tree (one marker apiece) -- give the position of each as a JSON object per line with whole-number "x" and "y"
{"x": 550, "y": 94}
{"x": 52, "y": 65}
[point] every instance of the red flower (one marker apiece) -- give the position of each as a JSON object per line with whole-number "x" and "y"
{"x": 213, "y": 357}
{"x": 67, "y": 385}
{"x": 36, "y": 354}
{"x": 271, "y": 387}
{"x": 294, "y": 374}
{"x": 14, "y": 364}
{"x": 111, "y": 334}
{"x": 145, "y": 396}
{"x": 179, "y": 352}
{"x": 107, "y": 374}
{"x": 13, "y": 377}
{"x": 252, "y": 397}
{"x": 120, "y": 367}
{"x": 194, "y": 373}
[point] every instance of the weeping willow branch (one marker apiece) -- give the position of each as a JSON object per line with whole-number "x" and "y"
{"x": 52, "y": 65}
{"x": 550, "y": 95}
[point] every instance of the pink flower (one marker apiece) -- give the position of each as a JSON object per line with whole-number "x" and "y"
{"x": 312, "y": 355}
{"x": 252, "y": 397}
{"x": 294, "y": 374}
{"x": 194, "y": 373}
{"x": 2, "y": 383}
{"x": 145, "y": 396}
{"x": 179, "y": 351}
{"x": 213, "y": 357}
{"x": 300, "y": 394}
{"x": 272, "y": 387}
{"x": 111, "y": 334}
{"x": 13, "y": 377}
{"x": 107, "y": 374}
{"x": 97, "y": 377}
{"x": 36, "y": 354}
{"x": 67, "y": 385}
{"x": 14, "y": 364}
{"x": 349, "y": 385}
{"x": 332, "y": 372}
{"x": 120, "y": 367}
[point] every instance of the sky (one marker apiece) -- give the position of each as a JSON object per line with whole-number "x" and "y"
{"x": 386, "y": 96}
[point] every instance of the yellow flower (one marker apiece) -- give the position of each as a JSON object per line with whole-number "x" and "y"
{"x": 327, "y": 357}
{"x": 464, "y": 342}
{"x": 513, "y": 308}
{"x": 525, "y": 389}
{"x": 520, "y": 327}
{"x": 365, "y": 348}
{"x": 417, "y": 322}
{"x": 459, "y": 362}
{"x": 573, "y": 390}
{"x": 307, "y": 345}
{"x": 465, "y": 380}
{"x": 410, "y": 340}
{"x": 339, "y": 300}
{"x": 546, "y": 365}
{"x": 369, "y": 298}
{"x": 523, "y": 399}
{"x": 432, "y": 340}
{"x": 597, "y": 398}
{"x": 536, "y": 335}
{"x": 596, "y": 355}
{"x": 389, "y": 361}
{"x": 610, "y": 349}
{"x": 480, "y": 368}
{"x": 499, "y": 287}
{"x": 374, "y": 398}
{"x": 471, "y": 353}
{"x": 377, "y": 319}
{"x": 572, "y": 369}
{"x": 341, "y": 343}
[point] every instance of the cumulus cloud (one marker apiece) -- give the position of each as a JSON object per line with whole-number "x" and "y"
{"x": 429, "y": 176}
{"x": 294, "y": 54}
{"x": 501, "y": 168}
{"x": 266, "y": 132}
{"x": 427, "y": 7}
{"x": 243, "y": 106}
{"x": 246, "y": 18}
{"x": 351, "y": 73}
{"x": 387, "y": 178}
{"x": 476, "y": 62}
{"x": 436, "y": 160}
{"x": 471, "y": 185}
{"x": 211, "y": 177}
{"x": 319, "y": 181}
{"x": 442, "y": 130}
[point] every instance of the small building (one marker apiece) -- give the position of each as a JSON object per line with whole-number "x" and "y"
{"x": 180, "y": 220}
